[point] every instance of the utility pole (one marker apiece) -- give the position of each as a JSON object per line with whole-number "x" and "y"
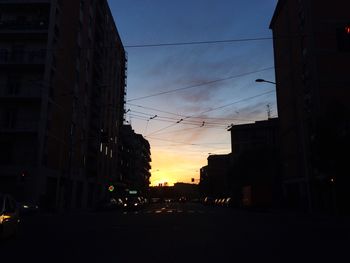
{"x": 268, "y": 110}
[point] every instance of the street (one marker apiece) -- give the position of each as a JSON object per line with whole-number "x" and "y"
{"x": 177, "y": 232}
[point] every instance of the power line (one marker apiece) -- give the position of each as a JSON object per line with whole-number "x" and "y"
{"x": 201, "y": 84}
{"x": 184, "y": 116}
{"x": 199, "y": 42}
{"x": 185, "y": 143}
{"x": 193, "y": 123}
{"x": 221, "y": 107}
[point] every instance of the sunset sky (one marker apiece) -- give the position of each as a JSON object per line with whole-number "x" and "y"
{"x": 211, "y": 85}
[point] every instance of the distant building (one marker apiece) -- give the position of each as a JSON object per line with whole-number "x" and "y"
{"x": 213, "y": 177}
{"x": 175, "y": 192}
{"x": 62, "y": 85}
{"x": 189, "y": 191}
{"x": 312, "y": 61}
{"x": 253, "y": 175}
{"x": 134, "y": 164}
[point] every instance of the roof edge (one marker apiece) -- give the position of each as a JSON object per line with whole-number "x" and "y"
{"x": 278, "y": 8}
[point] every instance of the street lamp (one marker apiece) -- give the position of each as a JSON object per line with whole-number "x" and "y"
{"x": 263, "y": 80}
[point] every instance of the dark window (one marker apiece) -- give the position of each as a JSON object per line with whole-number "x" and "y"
{"x": 343, "y": 38}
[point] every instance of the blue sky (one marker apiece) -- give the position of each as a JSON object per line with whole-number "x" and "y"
{"x": 180, "y": 149}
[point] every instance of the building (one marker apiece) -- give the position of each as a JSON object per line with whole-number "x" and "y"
{"x": 204, "y": 183}
{"x": 134, "y": 165}
{"x": 312, "y": 58}
{"x": 189, "y": 191}
{"x": 62, "y": 85}
{"x": 254, "y": 169}
{"x": 214, "y": 176}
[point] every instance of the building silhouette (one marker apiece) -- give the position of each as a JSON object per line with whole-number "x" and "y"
{"x": 312, "y": 51}
{"x": 62, "y": 85}
{"x": 254, "y": 167}
{"x": 214, "y": 176}
{"x": 134, "y": 164}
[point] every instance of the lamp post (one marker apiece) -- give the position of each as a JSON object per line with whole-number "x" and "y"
{"x": 267, "y": 81}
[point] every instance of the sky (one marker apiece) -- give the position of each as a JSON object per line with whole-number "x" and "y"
{"x": 182, "y": 98}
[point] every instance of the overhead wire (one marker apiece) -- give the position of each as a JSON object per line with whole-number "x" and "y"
{"x": 199, "y": 85}
{"x": 199, "y": 42}
{"x": 217, "y": 108}
{"x": 184, "y": 116}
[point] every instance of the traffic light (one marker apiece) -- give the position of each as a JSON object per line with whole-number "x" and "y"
{"x": 111, "y": 188}
{"x": 343, "y": 38}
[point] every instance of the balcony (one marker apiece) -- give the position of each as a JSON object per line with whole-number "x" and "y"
{"x": 34, "y": 57}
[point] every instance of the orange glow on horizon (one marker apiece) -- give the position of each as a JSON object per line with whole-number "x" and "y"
{"x": 172, "y": 167}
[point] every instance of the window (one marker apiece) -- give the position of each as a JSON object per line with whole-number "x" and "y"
{"x": 343, "y": 38}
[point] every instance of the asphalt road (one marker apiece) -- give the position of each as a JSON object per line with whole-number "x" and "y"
{"x": 179, "y": 233}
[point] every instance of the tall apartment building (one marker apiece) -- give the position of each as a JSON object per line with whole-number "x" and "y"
{"x": 62, "y": 85}
{"x": 312, "y": 61}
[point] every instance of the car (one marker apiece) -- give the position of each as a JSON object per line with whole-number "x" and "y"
{"x": 182, "y": 199}
{"x": 133, "y": 203}
{"x": 9, "y": 216}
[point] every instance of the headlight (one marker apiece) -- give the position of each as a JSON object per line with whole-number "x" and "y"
{"x": 135, "y": 204}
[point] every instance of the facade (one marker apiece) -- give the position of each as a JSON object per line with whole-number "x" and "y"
{"x": 214, "y": 176}
{"x": 62, "y": 85}
{"x": 254, "y": 169}
{"x": 312, "y": 51}
{"x": 134, "y": 165}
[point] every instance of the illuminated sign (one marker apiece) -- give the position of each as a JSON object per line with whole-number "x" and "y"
{"x": 111, "y": 188}
{"x": 133, "y": 192}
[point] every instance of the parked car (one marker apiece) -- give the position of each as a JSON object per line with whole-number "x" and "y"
{"x": 9, "y": 216}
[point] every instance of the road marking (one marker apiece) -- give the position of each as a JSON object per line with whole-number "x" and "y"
{"x": 158, "y": 211}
